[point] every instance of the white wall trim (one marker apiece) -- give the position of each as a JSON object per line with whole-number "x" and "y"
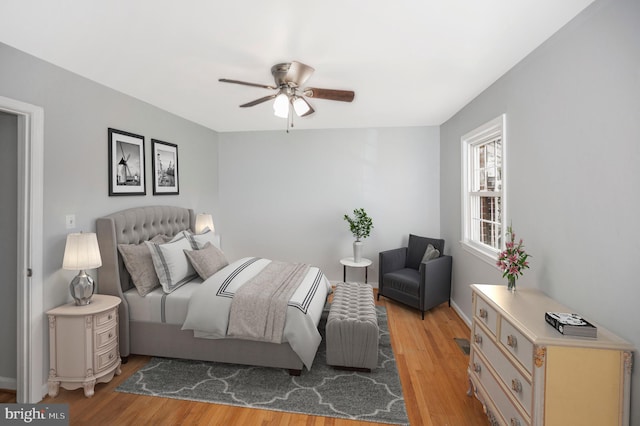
{"x": 30, "y": 303}
{"x": 8, "y": 383}
{"x": 459, "y": 311}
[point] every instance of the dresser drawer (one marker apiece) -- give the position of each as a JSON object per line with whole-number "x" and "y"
{"x": 507, "y": 411}
{"x": 517, "y": 344}
{"x": 105, "y": 319}
{"x": 519, "y": 385}
{"x": 105, "y": 336}
{"x": 106, "y": 358}
{"x": 486, "y": 315}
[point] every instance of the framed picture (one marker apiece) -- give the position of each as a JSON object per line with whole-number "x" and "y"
{"x": 126, "y": 163}
{"x": 165, "y": 168}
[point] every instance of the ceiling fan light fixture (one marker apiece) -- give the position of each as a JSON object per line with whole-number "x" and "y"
{"x": 301, "y": 106}
{"x": 281, "y": 106}
{"x": 289, "y": 94}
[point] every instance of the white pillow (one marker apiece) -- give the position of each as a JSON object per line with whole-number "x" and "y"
{"x": 198, "y": 241}
{"x": 171, "y": 263}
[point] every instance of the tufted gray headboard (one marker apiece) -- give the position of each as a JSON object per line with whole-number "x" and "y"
{"x": 132, "y": 226}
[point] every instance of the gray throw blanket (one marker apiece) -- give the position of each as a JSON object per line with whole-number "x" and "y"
{"x": 259, "y": 307}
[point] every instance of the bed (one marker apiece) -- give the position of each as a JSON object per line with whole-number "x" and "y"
{"x": 146, "y": 330}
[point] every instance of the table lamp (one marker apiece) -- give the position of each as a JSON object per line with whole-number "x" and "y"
{"x": 204, "y": 220}
{"x": 80, "y": 253}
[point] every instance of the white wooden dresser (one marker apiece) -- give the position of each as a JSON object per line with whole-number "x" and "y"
{"x": 527, "y": 373}
{"x": 83, "y": 344}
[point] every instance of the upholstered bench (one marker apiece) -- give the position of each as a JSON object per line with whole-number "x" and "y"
{"x": 352, "y": 328}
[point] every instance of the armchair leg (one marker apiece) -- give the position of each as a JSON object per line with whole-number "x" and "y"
{"x": 422, "y": 315}
{"x": 378, "y": 296}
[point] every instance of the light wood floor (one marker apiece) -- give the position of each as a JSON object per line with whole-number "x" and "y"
{"x": 432, "y": 370}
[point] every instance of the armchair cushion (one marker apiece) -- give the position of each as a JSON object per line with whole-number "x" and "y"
{"x": 430, "y": 253}
{"x": 418, "y": 246}
{"x": 405, "y": 280}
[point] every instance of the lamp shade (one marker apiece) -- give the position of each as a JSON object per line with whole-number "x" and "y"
{"x": 203, "y": 221}
{"x": 301, "y": 106}
{"x": 281, "y": 106}
{"x": 81, "y": 252}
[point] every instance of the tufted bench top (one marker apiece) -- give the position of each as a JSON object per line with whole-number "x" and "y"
{"x": 353, "y": 302}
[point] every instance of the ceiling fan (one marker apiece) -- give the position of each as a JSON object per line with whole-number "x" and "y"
{"x": 289, "y": 77}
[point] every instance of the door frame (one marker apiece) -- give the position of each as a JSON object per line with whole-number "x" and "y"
{"x": 30, "y": 386}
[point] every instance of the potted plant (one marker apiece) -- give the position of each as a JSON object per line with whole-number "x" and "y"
{"x": 360, "y": 226}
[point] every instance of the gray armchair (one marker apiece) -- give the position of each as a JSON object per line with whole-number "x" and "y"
{"x": 405, "y": 278}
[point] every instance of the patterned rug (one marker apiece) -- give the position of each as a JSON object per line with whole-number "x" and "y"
{"x": 323, "y": 391}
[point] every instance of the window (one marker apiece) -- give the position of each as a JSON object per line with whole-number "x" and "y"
{"x": 483, "y": 192}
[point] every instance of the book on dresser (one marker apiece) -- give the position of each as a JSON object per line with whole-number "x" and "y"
{"x": 571, "y": 324}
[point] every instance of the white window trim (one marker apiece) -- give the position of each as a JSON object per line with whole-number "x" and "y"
{"x": 486, "y": 131}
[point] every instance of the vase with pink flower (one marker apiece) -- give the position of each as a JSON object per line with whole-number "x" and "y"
{"x": 513, "y": 259}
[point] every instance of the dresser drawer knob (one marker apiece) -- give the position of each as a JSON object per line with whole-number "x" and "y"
{"x": 512, "y": 341}
{"x": 516, "y": 385}
{"x": 110, "y": 335}
{"x": 110, "y": 356}
{"x": 478, "y": 338}
{"x": 476, "y": 367}
{"x": 483, "y": 313}
{"x": 515, "y": 422}
{"x": 109, "y": 317}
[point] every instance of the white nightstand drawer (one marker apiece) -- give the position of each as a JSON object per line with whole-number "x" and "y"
{"x": 105, "y": 337}
{"x": 517, "y": 344}
{"x": 508, "y": 411}
{"x": 107, "y": 358}
{"x": 105, "y": 318}
{"x": 486, "y": 314}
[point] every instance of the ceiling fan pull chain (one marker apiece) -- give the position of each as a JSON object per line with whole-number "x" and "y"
{"x": 290, "y": 119}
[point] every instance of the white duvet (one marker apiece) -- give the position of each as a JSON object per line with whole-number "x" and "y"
{"x": 208, "y": 310}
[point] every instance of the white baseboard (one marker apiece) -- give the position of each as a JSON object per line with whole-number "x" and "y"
{"x": 460, "y": 313}
{"x": 8, "y": 383}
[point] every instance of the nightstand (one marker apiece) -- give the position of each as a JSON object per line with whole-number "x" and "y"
{"x": 83, "y": 344}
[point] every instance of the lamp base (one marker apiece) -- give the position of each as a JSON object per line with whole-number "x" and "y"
{"x": 81, "y": 288}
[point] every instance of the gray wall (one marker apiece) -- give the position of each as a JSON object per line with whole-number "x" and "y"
{"x": 9, "y": 238}
{"x": 573, "y": 120}
{"x": 77, "y": 113}
{"x": 284, "y": 194}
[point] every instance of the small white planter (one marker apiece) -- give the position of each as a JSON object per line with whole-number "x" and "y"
{"x": 357, "y": 251}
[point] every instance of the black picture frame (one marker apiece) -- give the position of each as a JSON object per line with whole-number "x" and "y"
{"x": 126, "y": 163}
{"x": 166, "y": 179}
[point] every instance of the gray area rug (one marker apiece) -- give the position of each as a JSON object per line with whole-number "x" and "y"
{"x": 323, "y": 391}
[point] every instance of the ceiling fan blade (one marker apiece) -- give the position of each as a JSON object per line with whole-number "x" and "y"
{"x": 331, "y": 94}
{"x": 298, "y": 73}
{"x": 258, "y": 101}
{"x": 264, "y": 86}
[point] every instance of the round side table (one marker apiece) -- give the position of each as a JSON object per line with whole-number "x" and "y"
{"x": 348, "y": 261}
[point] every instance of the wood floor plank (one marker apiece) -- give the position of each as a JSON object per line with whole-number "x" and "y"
{"x": 431, "y": 366}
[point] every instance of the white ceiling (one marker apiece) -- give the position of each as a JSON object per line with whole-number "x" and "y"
{"x": 410, "y": 62}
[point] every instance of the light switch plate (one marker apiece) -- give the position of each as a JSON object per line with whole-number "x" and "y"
{"x": 70, "y": 220}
